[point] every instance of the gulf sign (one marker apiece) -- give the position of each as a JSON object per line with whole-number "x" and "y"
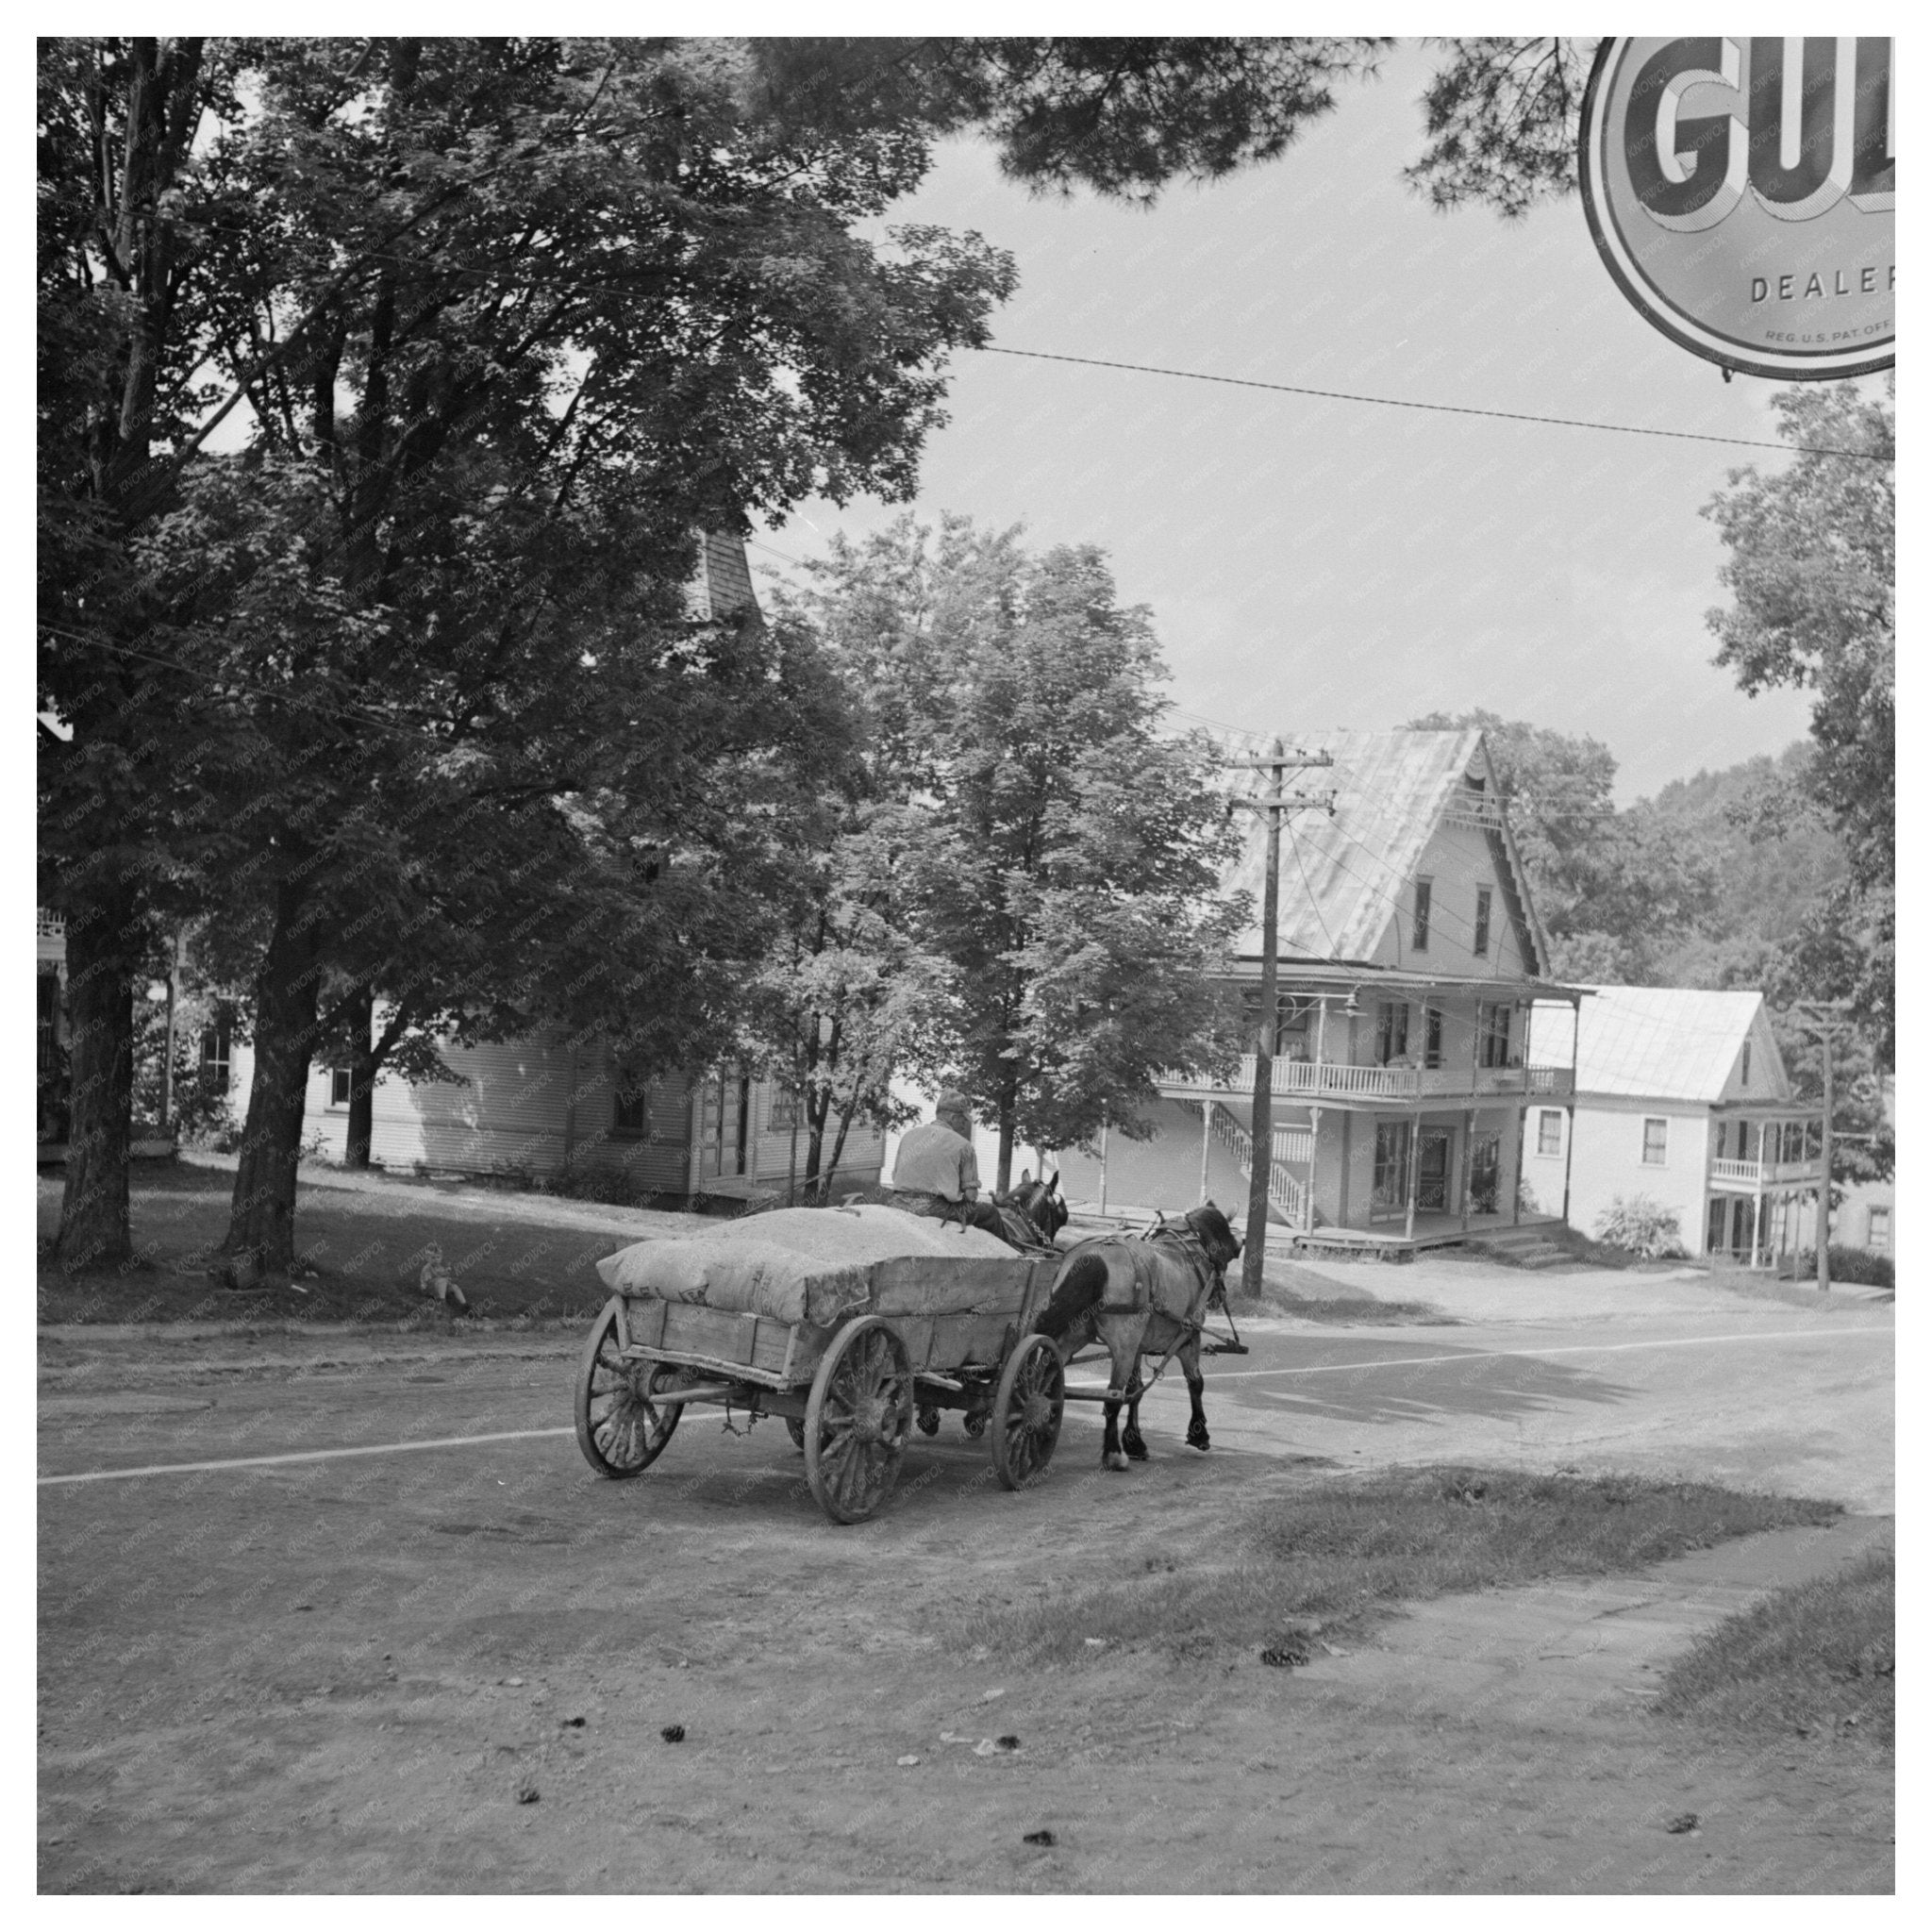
{"x": 1740, "y": 191}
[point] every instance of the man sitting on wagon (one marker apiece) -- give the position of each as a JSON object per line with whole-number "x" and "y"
{"x": 936, "y": 1173}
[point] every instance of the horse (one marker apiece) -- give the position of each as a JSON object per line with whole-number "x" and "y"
{"x": 1031, "y": 1212}
{"x": 1136, "y": 1298}
{"x": 1027, "y": 1216}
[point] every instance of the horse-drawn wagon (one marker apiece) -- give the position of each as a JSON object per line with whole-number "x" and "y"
{"x": 855, "y": 1325}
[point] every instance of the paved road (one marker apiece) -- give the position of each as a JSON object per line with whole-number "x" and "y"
{"x": 1773, "y": 1399}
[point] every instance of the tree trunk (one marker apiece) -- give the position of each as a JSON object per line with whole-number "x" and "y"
{"x": 815, "y": 1116}
{"x": 1003, "y": 1178}
{"x": 362, "y": 1072}
{"x": 101, "y": 948}
{"x": 260, "y": 1242}
{"x": 839, "y": 1146}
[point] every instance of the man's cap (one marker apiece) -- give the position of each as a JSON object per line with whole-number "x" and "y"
{"x": 953, "y": 1101}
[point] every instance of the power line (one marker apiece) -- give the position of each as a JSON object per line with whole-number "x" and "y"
{"x": 1343, "y": 395}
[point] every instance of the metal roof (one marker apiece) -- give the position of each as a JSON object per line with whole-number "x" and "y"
{"x": 1344, "y": 877}
{"x": 1656, "y": 1042}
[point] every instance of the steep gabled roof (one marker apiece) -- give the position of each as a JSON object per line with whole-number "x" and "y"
{"x": 1344, "y": 877}
{"x": 1652, "y": 1043}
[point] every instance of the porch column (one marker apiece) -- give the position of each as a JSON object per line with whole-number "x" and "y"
{"x": 1314, "y": 1148}
{"x": 1415, "y": 1161}
{"x": 1468, "y": 1159}
{"x": 1756, "y": 1221}
{"x": 1207, "y": 1136}
{"x": 1516, "y": 1193}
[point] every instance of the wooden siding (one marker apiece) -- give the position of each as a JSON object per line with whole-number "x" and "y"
{"x": 1458, "y": 860}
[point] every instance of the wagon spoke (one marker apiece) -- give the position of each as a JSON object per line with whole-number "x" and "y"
{"x": 858, "y": 1419}
{"x": 621, "y": 1427}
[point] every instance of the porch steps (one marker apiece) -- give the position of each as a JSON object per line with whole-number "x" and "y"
{"x": 1285, "y": 1196}
{"x": 1523, "y": 1247}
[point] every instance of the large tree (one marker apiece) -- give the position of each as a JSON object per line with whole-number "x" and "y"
{"x": 1811, "y": 573}
{"x": 505, "y": 321}
{"x": 1067, "y": 851}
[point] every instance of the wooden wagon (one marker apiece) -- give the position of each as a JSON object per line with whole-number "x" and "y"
{"x": 854, "y": 1350}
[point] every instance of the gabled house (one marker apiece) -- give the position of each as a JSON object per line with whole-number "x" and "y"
{"x": 544, "y": 1105}
{"x": 1410, "y": 958}
{"x": 1864, "y": 1218}
{"x": 1681, "y": 1098}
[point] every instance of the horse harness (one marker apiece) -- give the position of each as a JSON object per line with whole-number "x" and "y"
{"x": 1209, "y": 1281}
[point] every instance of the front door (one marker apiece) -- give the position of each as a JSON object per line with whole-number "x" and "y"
{"x": 1392, "y": 1169}
{"x": 1432, "y": 1172}
{"x": 1485, "y": 1173}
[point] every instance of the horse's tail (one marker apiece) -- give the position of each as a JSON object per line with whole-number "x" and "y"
{"x": 1080, "y": 1288}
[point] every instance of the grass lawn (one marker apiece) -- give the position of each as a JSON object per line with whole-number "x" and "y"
{"x": 1816, "y": 1660}
{"x": 365, "y": 1251}
{"x": 1346, "y": 1550}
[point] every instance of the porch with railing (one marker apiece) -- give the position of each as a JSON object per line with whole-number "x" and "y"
{"x": 1754, "y": 1174}
{"x": 1345, "y": 1084}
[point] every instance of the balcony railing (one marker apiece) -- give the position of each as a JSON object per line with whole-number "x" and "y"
{"x": 1296, "y": 1079}
{"x": 1767, "y": 1173}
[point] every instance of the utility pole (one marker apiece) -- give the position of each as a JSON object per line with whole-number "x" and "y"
{"x": 1278, "y": 762}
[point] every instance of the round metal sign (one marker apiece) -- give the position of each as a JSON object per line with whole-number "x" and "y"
{"x": 1740, "y": 191}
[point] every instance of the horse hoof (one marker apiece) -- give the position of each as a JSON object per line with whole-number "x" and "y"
{"x": 1114, "y": 1461}
{"x": 1199, "y": 1442}
{"x": 1137, "y": 1451}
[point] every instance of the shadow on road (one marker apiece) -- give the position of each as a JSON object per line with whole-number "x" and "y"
{"x": 1500, "y": 1387}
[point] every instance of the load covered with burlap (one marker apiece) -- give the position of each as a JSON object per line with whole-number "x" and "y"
{"x": 823, "y": 1265}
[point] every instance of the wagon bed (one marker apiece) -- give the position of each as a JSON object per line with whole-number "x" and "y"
{"x": 863, "y": 1346}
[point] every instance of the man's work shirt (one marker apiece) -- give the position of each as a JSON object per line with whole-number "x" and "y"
{"x": 933, "y": 1159}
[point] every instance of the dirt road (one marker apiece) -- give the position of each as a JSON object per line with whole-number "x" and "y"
{"x": 338, "y": 1673}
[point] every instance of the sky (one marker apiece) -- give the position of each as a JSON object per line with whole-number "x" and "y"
{"x": 1315, "y": 563}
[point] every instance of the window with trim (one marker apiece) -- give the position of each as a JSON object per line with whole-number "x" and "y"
{"x": 1745, "y": 1066}
{"x": 215, "y": 1055}
{"x": 1879, "y": 1227}
{"x": 1291, "y": 1021}
{"x": 1421, "y": 938}
{"x": 1492, "y": 1020}
{"x": 1480, "y": 944}
{"x": 785, "y": 1112}
{"x": 1392, "y": 1031}
{"x": 1655, "y": 1133}
{"x": 1549, "y": 1130}
{"x": 630, "y": 1109}
{"x": 1432, "y": 1036}
{"x": 340, "y": 1082}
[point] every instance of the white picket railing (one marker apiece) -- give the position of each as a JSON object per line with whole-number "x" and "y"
{"x": 1316, "y": 1080}
{"x": 1766, "y": 1174}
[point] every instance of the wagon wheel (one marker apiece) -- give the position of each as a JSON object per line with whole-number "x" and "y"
{"x": 1026, "y": 1413}
{"x": 857, "y": 1420}
{"x": 624, "y": 1420}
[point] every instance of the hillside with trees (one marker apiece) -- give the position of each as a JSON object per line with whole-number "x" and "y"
{"x": 1732, "y": 878}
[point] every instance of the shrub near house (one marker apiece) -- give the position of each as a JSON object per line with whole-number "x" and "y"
{"x": 1642, "y": 1227}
